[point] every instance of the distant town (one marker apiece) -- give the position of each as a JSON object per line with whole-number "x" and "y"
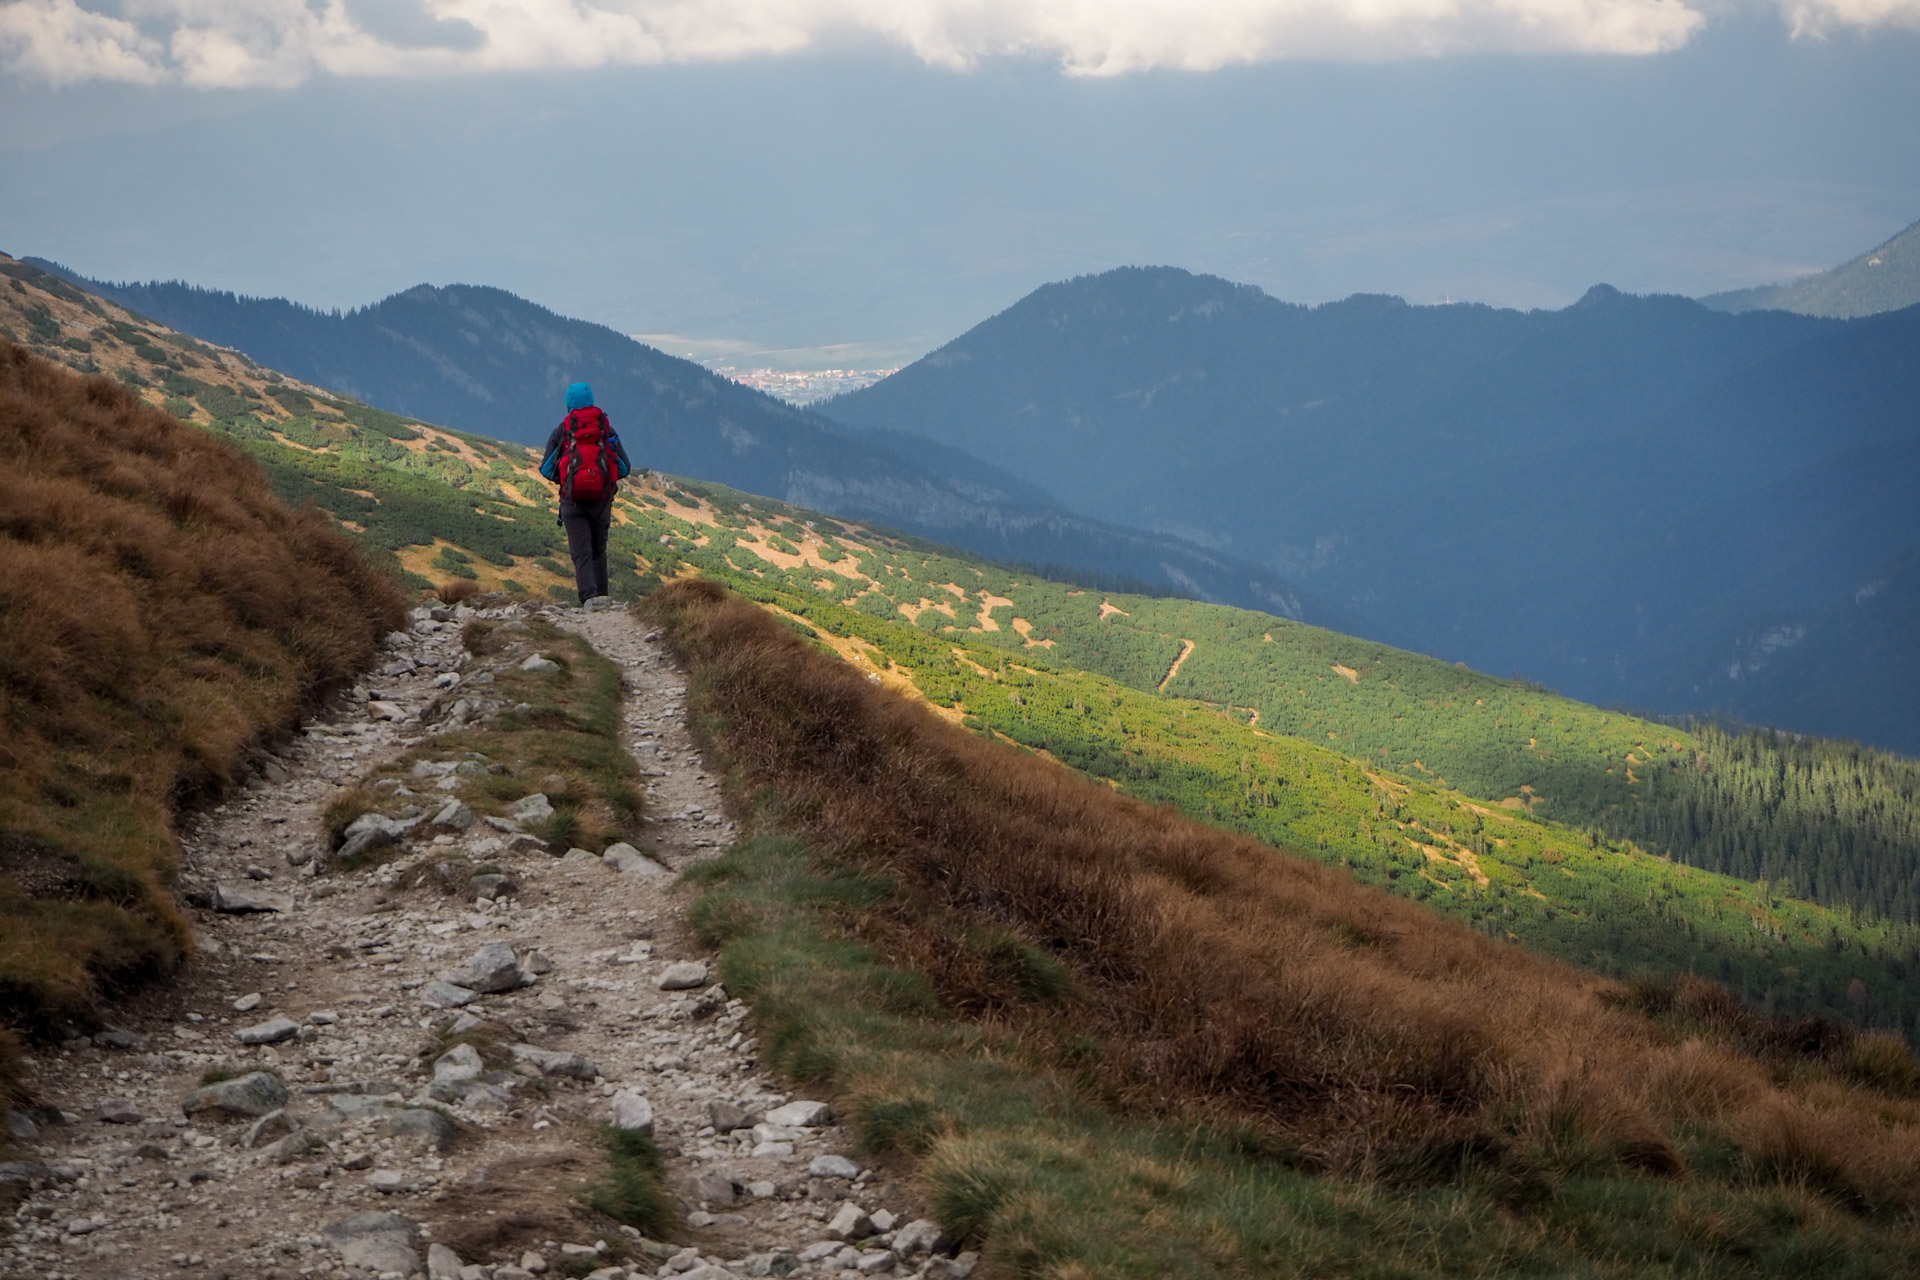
{"x": 805, "y": 386}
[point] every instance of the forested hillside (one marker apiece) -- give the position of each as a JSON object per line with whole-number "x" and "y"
{"x": 491, "y": 364}
{"x": 1639, "y": 501}
{"x": 1884, "y": 278}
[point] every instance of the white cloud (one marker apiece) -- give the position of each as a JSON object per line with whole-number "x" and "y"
{"x": 1817, "y": 18}
{"x": 224, "y": 43}
{"x": 59, "y": 42}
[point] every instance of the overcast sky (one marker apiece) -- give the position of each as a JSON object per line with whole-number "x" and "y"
{"x": 854, "y": 181}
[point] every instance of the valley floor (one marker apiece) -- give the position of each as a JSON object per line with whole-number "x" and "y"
{"x": 377, "y": 1117}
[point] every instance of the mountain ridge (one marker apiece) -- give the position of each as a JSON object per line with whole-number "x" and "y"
{"x": 486, "y": 361}
{"x": 1508, "y": 488}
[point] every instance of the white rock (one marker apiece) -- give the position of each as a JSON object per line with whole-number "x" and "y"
{"x": 247, "y": 1003}
{"x": 378, "y": 710}
{"x": 539, "y": 662}
{"x": 801, "y": 1115}
{"x": 631, "y": 1111}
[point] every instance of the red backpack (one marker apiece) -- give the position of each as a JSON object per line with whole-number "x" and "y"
{"x": 588, "y": 468}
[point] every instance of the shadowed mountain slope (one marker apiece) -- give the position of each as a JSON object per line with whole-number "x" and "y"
{"x": 1610, "y": 498}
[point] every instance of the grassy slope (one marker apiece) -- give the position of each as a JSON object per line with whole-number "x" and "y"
{"x": 162, "y": 616}
{"x": 1120, "y": 1044}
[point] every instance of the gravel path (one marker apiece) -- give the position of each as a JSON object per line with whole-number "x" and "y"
{"x": 373, "y": 1149}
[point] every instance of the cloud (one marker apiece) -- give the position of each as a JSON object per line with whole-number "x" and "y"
{"x": 1817, "y": 18}
{"x": 58, "y": 42}
{"x": 230, "y": 43}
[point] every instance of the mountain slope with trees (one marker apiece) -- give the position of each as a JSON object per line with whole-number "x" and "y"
{"x": 1884, "y": 278}
{"x": 1637, "y": 500}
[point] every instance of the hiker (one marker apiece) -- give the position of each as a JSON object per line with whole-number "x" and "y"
{"x": 586, "y": 459}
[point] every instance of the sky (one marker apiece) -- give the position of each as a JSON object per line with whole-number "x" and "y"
{"x": 814, "y": 183}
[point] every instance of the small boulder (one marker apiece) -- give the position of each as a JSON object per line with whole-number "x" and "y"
{"x": 272, "y": 1031}
{"x": 624, "y": 857}
{"x": 727, "y": 1116}
{"x": 369, "y": 831}
{"x": 491, "y": 886}
{"x": 801, "y": 1115}
{"x": 454, "y": 816}
{"x": 533, "y": 808}
{"x": 247, "y": 1003}
{"x": 249, "y": 1096}
{"x": 493, "y": 968}
{"x": 376, "y": 1242}
{"x": 119, "y": 1111}
{"x": 850, "y": 1223}
{"x": 446, "y": 995}
{"x": 379, "y": 710}
{"x": 245, "y": 899}
{"x": 632, "y": 1112}
{"x": 539, "y": 663}
{"x": 833, "y": 1167}
{"x": 712, "y": 1188}
{"x": 922, "y": 1235}
{"x": 553, "y": 1063}
{"x": 683, "y": 975}
{"x": 462, "y": 1062}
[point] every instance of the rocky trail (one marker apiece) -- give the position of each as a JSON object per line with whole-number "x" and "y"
{"x": 373, "y": 1074}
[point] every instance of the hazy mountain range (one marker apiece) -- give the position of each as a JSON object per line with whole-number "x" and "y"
{"x": 1636, "y": 500}
{"x": 486, "y": 361}
{"x": 1644, "y": 501}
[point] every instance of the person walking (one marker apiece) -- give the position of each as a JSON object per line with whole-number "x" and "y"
{"x": 586, "y": 459}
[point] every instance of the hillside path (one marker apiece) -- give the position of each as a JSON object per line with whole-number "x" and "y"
{"x": 126, "y": 1185}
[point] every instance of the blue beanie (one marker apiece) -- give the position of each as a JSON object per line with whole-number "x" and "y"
{"x": 579, "y": 396}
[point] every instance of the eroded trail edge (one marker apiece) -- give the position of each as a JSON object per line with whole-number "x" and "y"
{"x": 407, "y": 1065}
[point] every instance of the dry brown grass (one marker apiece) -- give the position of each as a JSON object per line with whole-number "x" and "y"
{"x": 1224, "y": 980}
{"x": 162, "y": 615}
{"x": 456, "y": 590}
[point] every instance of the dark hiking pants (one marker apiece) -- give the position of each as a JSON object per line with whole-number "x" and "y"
{"x": 586, "y": 524}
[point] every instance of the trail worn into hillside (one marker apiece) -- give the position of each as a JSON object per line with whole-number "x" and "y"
{"x": 365, "y": 1135}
